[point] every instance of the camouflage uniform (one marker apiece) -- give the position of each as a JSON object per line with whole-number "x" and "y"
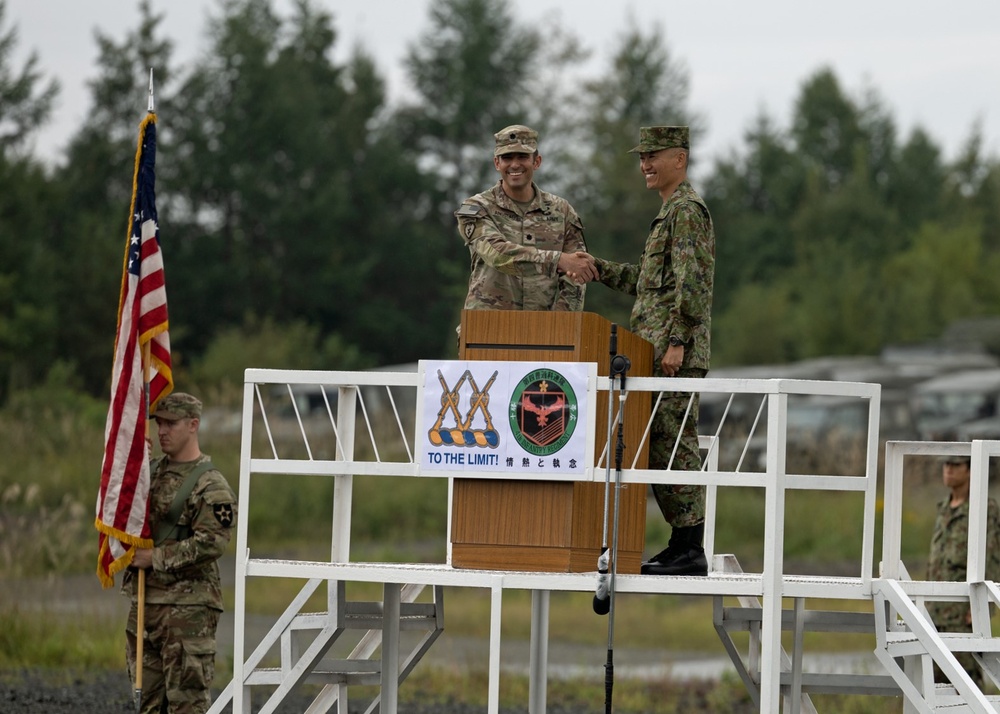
{"x": 673, "y": 288}
{"x": 183, "y": 590}
{"x": 947, "y": 562}
{"x": 515, "y": 248}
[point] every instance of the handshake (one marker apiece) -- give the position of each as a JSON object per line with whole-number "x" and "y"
{"x": 579, "y": 267}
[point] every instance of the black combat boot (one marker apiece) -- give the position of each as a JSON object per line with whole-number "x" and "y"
{"x": 684, "y": 554}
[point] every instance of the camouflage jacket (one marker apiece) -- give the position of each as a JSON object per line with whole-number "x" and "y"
{"x": 949, "y": 553}
{"x": 673, "y": 281}
{"x": 186, "y": 572}
{"x": 515, "y": 251}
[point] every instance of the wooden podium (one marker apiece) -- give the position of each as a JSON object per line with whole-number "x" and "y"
{"x": 551, "y": 526}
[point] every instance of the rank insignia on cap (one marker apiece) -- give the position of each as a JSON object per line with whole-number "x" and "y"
{"x": 516, "y": 139}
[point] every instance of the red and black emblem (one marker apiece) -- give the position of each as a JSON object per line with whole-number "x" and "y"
{"x": 542, "y": 414}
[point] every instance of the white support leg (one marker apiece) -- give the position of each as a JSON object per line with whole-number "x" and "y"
{"x": 774, "y": 538}
{"x": 496, "y": 607}
{"x": 538, "y": 660}
{"x": 390, "y": 649}
{"x": 795, "y": 696}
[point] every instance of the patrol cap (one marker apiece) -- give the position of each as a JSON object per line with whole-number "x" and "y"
{"x": 178, "y": 405}
{"x": 958, "y": 460}
{"x": 655, "y": 138}
{"x": 516, "y": 139}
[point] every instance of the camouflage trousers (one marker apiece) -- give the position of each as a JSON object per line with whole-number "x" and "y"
{"x": 955, "y": 617}
{"x": 178, "y": 657}
{"x": 681, "y": 505}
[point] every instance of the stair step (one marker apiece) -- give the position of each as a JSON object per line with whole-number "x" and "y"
{"x": 360, "y": 672}
{"x": 740, "y": 618}
{"x": 355, "y": 622}
{"x": 368, "y": 616}
{"x": 406, "y": 609}
{"x": 902, "y": 644}
{"x": 955, "y": 704}
{"x": 829, "y": 683}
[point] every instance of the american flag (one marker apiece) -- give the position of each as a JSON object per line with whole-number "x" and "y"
{"x": 142, "y": 361}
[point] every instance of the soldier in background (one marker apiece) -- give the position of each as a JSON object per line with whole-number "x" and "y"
{"x": 523, "y": 241}
{"x": 950, "y": 552}
{"x": 673, "y": 285}
{"x": 192, "y": 512}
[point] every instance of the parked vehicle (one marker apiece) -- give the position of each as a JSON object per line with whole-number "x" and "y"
{"x": 951, "y": 407}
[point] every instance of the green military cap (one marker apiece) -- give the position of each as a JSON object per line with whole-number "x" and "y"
{"x": 178, "y": 405}
{"x": 516, "y": 139}
{"x": 958, "y": 460}
{"x": 655, "y": 138}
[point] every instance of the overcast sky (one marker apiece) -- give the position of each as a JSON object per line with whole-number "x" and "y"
{"x": 934, "y": 65}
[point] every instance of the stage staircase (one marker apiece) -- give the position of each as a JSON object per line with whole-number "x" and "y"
{"x": 907, "y": 646}
{"x": 304, "y": 642}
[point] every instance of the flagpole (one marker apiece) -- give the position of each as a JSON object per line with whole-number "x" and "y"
{"x": 140, "y": 611}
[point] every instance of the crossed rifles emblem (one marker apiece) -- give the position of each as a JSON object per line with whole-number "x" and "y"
{"x": 462, "y": 434}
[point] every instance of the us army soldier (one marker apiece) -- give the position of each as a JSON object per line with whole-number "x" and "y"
{"x": 523, "y": 241}
{"x": 192, "y": 512}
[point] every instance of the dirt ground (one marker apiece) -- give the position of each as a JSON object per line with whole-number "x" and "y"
{"x": 40, "y": 692}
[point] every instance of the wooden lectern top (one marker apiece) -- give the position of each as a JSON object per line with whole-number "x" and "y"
{"x": 510, "y": 335}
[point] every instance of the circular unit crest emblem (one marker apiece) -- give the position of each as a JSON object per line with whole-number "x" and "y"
{"x": 543, "y": 412}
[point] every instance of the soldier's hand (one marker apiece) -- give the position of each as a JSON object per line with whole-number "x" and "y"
{"x": 579, "y": 267}
{"x": 143, "y": 558}
{"x": 672, "y": 360}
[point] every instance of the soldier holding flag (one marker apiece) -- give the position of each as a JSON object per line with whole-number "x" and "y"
{"x": 192, "y": 511}
{"x": 171, "y": 518}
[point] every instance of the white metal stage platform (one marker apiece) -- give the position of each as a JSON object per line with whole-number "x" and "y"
{"x": 346, "y": 424}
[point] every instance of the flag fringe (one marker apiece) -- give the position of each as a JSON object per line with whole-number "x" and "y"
{"x": 150, "y": 334}
{"x": 119, "y": 564}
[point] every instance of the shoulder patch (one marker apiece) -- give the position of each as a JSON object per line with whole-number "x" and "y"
{"x": 223, "y": 513}
{"x": 469, "y": 210}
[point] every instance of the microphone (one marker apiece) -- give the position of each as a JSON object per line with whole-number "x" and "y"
{"x": 602, "y": 598}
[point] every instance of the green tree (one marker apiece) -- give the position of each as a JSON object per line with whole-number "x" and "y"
{"x": 945, "y": 275}
{"x": 297, "y": 204}
{"x": 916, "y": 182}
{"x": 826, "y": 127}
{"x": 25, "y": 104}
{"x": 470, "y": 71}
{"x": 753, "y": 197}
{"x": 28, "y": 314}
{"x": 761, "y": 332}
{"x": 809, "y": 217}
{"x": 973, "y": 186}
{"x": 476, "y": 69}
{"x": 265, "y": 344}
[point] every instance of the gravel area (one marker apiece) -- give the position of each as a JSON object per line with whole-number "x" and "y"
{"x": 43, "y": 692}
{"x": 55, "y": 692}
{"x": 59, "y": 692}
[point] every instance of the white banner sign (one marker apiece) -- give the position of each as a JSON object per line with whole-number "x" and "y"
{"x": 504, "y": 417}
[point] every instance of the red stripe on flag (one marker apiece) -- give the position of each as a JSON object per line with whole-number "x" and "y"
{"x": 122, "y": 500}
